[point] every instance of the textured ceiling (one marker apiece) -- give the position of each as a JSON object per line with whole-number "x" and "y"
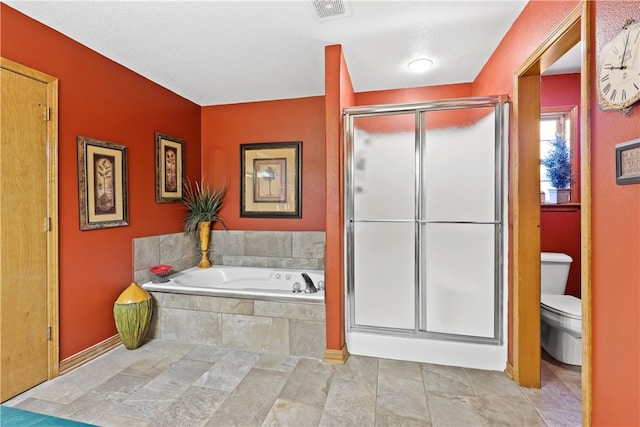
{"x": 221, "y": 52}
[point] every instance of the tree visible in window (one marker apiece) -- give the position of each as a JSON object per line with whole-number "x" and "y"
{"x": 563, "y": 121}
{"x": 558, "y": 163}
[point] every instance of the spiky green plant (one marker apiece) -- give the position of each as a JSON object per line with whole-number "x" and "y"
{"x": 203, "y": 204}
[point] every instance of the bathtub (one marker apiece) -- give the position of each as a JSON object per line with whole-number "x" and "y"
{"x": 257, "y": 283}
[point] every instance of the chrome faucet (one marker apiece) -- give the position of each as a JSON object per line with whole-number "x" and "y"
{"x": 311, "y": 288}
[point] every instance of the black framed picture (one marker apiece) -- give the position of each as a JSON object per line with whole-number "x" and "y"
{"x": 271, "y": 180}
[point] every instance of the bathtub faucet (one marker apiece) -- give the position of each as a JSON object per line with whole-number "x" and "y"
{"x": 311, "y": 288}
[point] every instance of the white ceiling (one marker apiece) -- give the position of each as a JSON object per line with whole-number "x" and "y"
{"x": 220, "y": 52}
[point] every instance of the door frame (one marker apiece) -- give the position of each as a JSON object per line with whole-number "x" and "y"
{"x": 53, "y": 344}
{"x": 525, "y": 193}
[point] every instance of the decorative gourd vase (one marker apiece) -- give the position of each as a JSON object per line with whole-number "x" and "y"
{"x": 204, "y": 229}
{"x": 132, "y": 312}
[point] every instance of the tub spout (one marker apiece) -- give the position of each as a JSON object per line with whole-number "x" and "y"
{"x": 311, "y": 288}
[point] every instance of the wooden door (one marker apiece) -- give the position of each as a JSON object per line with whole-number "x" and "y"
{"x": 23, "y": 234}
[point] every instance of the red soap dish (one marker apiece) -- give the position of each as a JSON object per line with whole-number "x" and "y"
{"x": 160, "y": 269}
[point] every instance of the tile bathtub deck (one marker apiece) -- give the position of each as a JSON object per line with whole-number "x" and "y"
{"x": 165, "y": 383}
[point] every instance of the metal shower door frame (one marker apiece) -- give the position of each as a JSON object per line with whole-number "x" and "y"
{"x": 499, "y": 103}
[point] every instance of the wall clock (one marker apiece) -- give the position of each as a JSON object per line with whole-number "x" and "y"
{"x": 619, "y": 70}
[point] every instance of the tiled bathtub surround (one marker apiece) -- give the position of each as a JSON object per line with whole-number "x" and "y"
{"x": 296, "y": 329}
{"x": 276, "y": 249}
{"x": 178, "y": 250}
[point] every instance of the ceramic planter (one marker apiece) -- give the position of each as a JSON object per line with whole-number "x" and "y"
{"x": 132, "y": 313}
{"x": 559, "y": 195}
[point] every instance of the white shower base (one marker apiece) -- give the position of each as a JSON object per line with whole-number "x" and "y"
{"x": 451, "y": 353}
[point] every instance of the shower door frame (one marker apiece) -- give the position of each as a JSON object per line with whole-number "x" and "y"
{"x": 499, "y": 103}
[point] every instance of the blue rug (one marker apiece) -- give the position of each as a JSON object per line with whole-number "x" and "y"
{"x": 17, "y": 417}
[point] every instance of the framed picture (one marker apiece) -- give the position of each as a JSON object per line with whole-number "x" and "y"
{"x": 102, "y": 172}
{"x": 169, "y": 168}
{"x": 628, "y": 162}
{"x": 271, "y": 180}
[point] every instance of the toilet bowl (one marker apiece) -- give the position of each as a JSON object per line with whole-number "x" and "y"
{"x": 561, "y": 328}
{"x": 560, "y": 315}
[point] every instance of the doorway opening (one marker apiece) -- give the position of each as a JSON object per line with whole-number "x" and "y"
{"x": 525, "y": 191}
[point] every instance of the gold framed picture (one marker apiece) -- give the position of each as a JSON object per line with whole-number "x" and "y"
{"x": 271, "y": 180}
{"x": 169, "y": 168}
{"x": 102, "y": 173}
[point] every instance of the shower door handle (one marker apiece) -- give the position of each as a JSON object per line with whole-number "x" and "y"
{"x": 383, "y": 220}
{"x": 460, "y": 222}
{"x": 427, "y": 222}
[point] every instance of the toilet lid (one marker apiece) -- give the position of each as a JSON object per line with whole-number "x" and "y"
{"x": 566, "y": 305}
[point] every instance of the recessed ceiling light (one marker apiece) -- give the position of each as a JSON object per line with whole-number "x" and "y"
{"x": 420, "y": 65}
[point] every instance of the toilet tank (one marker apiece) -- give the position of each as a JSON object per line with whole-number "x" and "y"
{"x": 554, "y": 271}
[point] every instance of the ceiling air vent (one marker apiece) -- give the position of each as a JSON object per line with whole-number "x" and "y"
{"x": 330, "y": 9}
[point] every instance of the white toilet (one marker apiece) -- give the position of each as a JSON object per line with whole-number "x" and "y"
{"x": 560, "y": 314}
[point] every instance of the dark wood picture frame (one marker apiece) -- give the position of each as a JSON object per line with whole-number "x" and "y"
{"x": 102, "y": 184}
{"x": 271, "y": 180}
{"x": 169, "y": 153}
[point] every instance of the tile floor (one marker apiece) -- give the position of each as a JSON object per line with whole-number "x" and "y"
{"x": 165, "y": 383}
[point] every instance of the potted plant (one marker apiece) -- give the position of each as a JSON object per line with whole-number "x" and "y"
{"x": 558, "y": 164}
{"x": 203, "y": 209}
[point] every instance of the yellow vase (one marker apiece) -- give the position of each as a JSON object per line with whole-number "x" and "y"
{"x": 132, "y": 313}
{"x": 204, "y": 229}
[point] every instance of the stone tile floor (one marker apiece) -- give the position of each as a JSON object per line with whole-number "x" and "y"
{"x": 165, "y": 383}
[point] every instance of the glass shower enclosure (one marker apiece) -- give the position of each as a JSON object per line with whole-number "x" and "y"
{"x": 424, "y": 231}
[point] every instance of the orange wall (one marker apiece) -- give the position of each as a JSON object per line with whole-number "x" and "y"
{"x": 225, "y": 127}
{"x": 531, "y": 28}
{"x": 560, "y": 230}
{"x": 615, "y": 209}
{"x": 416, "y": 94}
{"x": 101, "y": 99}
{"x": 537, "y": 20}
{"x": 616, "y": 248}
{"x": 407, "y": 122}
{"x": 339, "y": 95}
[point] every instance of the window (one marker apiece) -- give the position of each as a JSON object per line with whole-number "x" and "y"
{"x": 563, "y": 121}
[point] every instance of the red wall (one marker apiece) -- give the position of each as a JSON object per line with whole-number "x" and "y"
{"x": 615, "y": 282}
{"x": 101, "y": 99}
{"x": 560, "y": 232}
{"x": 560, "y": 229}
{"x": 225, "y": 127}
